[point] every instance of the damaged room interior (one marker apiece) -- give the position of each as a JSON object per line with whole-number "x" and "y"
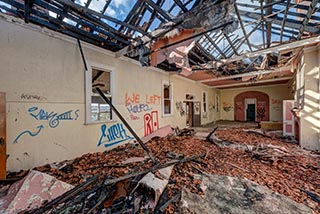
{"x": 159, "y": 106}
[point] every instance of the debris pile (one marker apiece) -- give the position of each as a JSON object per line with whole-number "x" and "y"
{"x": 117, "y": 181}
{"x": 225, "y": 194}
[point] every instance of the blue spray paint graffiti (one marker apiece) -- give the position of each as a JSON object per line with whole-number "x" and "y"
{"x": 53, "y": 117}
{"x": 113, "y": 135}
{"x": 32, "y": 134}
{"x": 138, "y": 108}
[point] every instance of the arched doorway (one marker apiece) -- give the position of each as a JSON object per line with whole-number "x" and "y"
{"x": 251, "y": 106}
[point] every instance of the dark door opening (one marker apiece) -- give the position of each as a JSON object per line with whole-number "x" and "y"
{"x": 251, "y": 112}
{"x": 189, "y": 111}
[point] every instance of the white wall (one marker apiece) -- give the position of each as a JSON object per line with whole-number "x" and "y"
{"x": 310, "y": 100}
{"x": 44, "y": 70}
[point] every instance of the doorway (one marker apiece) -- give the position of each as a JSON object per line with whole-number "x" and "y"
{"x": 193, "y": 114}
{"x": 189, "y": 111}
{"x": 250, "y": 109}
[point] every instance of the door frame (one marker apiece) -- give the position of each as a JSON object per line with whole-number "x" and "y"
{"x": 289, "y": 122}
{"x": 3, "y": 149}
{"x": 249, "y": 101}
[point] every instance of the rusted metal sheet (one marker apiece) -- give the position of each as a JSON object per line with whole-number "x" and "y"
{"x": 3, "y": 153}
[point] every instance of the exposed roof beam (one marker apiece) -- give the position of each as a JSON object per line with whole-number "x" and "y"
{"x": 247, "y": 74}
{"x": 249, "y": 34}
{"x": 300, "y": 6}
{"x": 305, "y": 21}
{"x": 269, "y": 4}
{"x": 289, "y": 23}
{"x": 215, "y": 45}
{"x": 230, "y": 43}
{"x": 27, "y": 9}
{"x": 180, "y": 4}
{"x": 297, "y": 15}
{"x": 242, "y": 27}
{"x": 99, "y": 27}
{"x": 132, "y": 14}
{"x": 85, "y": 10}
{"x": 262, "y": 24}
{"x": 252, "y": 82}
{"x": 276, "y": 48}
{"x": 159, "y": 10}
{"x": 284, "y": 20}
{"x": 268, "y": 24}
{"x": 205, "y": 51}
{"x": 105, "y": 6}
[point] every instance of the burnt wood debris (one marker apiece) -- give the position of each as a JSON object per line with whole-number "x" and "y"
{"x": 106, "y": 182}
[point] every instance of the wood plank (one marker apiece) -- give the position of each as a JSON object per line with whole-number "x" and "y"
{"x": 3, "y": 151}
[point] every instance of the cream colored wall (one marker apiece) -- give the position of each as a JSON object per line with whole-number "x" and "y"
{"x": 50, "y": 68}
{"x": 310, "y": 112}
{"x": 276, "y": 93}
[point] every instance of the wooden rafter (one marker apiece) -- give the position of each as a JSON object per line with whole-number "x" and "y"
{"x": 159, "y": 10}
{"x": 242, "y": 26}
{"x": 311, "y": 10}
{"x": 84, "y": 10}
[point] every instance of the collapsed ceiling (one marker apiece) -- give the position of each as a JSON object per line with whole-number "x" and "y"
{"x": 202, "y": 39}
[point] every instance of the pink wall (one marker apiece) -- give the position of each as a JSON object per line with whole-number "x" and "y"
{"x": 262, "y": 105}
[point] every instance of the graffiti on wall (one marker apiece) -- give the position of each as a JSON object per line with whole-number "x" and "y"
{"x": 53, "y": 118}
{"x": 261, "y": 110}
{"x": 180, "y": 108}
{"x": 27, "y": 132}
{"x": 226, "y": 106}
{"x": 134, "y": 103}
{"x": 239, "y": 106}
{"x": 134, "y": 117}
{"x": 211, "y": 107}
{"x": 32, "y": 97}
{"x": 276, "y": 104}
{"x": 151, "y": 122}
{"x": 113, "y": 135}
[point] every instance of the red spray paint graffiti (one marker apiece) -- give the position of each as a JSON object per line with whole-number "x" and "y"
{"x": 151, "y": 122}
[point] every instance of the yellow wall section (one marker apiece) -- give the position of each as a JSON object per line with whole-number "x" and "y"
{"x": 46, "y": 73}
{"x": 276, "y": 93}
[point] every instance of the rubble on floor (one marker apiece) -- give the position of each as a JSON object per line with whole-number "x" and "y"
{"x": 225, "y": 194}
{"x": 107, "y": 181}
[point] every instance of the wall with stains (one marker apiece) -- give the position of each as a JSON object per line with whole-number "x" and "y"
{"x": 276, "y": 93}
{"x": 43, "y": 76}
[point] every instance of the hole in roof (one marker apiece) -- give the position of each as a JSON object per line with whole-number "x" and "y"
{"x": 121, "y": 8}
{"x": 4, "y": 7}
{"x": 81, "y": 2}
{"x": 97, "y": 5}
